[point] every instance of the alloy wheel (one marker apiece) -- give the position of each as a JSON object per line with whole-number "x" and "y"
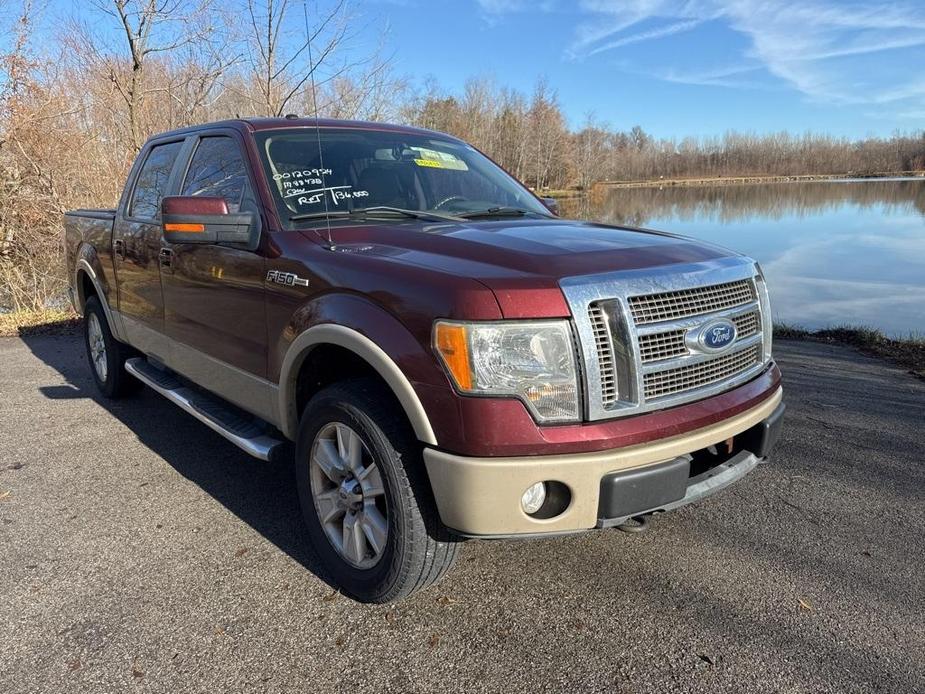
{"x": 97, "y": 345}
{"x": 349, "y": 495}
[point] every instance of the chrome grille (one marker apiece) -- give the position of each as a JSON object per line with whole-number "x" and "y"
{"x": 683, "y": 378}
{"x": 747, "y": 324}
{"x": 660, "y": 346}
{"x": 639, "y": 334}
{"x": 604, "y": 348}
{"x": 683, "y": 303}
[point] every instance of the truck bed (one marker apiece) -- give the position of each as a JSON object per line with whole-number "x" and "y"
{"x": 88, "y": 232}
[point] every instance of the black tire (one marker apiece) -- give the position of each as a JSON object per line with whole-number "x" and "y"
{"x": 419, "y": 550}
{"x": 117, "y": 381}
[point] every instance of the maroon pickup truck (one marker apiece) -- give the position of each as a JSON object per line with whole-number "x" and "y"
{"x": 451, "y": 359}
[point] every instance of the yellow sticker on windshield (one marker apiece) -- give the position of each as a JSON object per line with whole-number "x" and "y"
{"x": 433, "y": 159}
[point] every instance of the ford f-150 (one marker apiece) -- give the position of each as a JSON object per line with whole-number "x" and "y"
{"x": 449, "y": 357}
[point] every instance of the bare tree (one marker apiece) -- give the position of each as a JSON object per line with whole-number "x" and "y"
{"x": 590, "y": 146}
{"x": 196, "y": 71}
{"x": 29, "y": 191}
{"x": 286, "y": 46}
{"x": 75, "y": 108}
{"x": 151, "y": 28}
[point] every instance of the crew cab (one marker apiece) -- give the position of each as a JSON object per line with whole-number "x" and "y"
{"x": 449, "y": 357}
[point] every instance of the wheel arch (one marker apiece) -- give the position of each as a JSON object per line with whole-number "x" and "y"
{"x": 88, "y": 281}
{"x": 328, "y": 335}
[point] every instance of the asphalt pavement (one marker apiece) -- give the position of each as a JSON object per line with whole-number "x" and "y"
{"x": 139, "y": 551}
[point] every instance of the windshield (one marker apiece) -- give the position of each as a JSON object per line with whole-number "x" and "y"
{"x": 362, "y": 169}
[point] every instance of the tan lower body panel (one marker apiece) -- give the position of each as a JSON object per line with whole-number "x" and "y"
{"x": 481, "y": 496}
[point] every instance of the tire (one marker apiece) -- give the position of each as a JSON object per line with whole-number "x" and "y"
{"x": 417, "y": 550}
{"x": 105, "y": 354}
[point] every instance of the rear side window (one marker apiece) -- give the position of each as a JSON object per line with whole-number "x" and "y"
{"x": 217, "y": 169}
{"x": 152, "y": 180}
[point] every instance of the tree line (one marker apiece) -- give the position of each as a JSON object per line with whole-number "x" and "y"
{"x": 530, "y": 136}
{"x": 77, "y": 102}
{"x": 637, "y": 206}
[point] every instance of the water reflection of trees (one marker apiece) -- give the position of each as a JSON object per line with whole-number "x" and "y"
{"x": 732, "y": 203}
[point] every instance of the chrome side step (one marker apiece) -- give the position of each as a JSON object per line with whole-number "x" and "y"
{"x": 208, "y": 409}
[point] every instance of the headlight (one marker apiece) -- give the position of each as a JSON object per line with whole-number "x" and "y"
{"x": 531, "y": 360}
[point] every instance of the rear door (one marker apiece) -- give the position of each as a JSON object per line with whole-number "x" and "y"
{"x": 137, "y": 246}
{"x": 214, "y": 294}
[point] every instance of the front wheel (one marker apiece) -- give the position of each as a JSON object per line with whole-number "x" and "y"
{"x": 365, "y": 497}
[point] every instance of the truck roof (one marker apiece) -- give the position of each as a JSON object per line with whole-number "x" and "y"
{"x": 258, "y": 124}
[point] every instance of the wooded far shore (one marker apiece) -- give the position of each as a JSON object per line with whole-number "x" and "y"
{"x": 730, "y": 180}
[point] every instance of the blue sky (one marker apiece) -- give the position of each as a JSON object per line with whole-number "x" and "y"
{"x": 677, "y": 68}
{"x": 699, "y": 67}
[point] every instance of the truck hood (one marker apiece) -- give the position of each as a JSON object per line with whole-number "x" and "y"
{"x": 521, "y": 260}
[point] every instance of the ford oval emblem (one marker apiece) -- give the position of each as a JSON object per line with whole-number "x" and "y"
{"x": 717, "y": 335}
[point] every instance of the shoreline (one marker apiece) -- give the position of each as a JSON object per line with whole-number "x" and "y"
{"x": 728, "y": 180}
{"x": 909, "y": 353}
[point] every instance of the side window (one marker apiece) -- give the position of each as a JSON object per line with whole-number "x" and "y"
{"x": 152, "y": 180}
{"x": 217, "y": 169}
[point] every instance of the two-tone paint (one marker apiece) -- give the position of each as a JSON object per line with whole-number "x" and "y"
{"x": 375, "y": 290}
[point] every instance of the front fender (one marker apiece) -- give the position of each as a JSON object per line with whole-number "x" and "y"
{"x": 371, "y": 333}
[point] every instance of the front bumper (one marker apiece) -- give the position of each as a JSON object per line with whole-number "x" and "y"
{"x": 480, "y": 497}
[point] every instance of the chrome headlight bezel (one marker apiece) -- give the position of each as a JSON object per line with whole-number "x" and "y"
{"x": 767, "y": 322}
{"x": 552, "y": 393}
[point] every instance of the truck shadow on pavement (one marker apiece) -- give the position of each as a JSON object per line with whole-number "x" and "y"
{"x": 803, "y": 573}
{"x": 260, "y": 493}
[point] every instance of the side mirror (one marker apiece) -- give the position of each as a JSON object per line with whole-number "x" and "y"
{"x": 552, "y": 205}
{"x": 202, "y": 219}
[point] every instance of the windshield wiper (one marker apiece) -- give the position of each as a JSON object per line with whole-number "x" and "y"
{"x": 378, "y": 209}
{"x": 496, "y": 212}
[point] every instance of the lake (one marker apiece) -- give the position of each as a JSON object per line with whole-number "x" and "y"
{"x": 845, "y": 252}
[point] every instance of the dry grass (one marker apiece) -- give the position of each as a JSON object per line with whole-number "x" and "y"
{"x": 701, "y": 181}
{"x": 45, "y": 322}
{"x": 759, "y": 178}
{"x": 560, "y": 193}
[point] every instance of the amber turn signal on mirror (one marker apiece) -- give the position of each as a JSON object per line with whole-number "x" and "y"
{"x": 195, "y": 228}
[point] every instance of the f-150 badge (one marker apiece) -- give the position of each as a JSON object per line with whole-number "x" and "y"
{"x": 287, "y": 278}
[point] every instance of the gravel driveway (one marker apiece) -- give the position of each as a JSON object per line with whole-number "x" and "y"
{"x": 141, "y": 552}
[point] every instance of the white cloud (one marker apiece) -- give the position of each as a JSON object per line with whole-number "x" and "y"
{"x": 662, "y": 32}
{"x": 730, "y": 76}
{"x": 830, "y": 50}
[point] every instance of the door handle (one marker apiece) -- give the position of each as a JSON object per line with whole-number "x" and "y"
{"x": 118, "y": 249}
{"x": 164, "y": 257}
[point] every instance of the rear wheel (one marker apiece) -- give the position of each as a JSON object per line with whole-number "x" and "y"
{"x": 365, "y": 497}
{"x": 105, "y": 353}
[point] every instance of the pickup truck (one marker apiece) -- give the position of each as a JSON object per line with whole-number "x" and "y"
{"x": 443, "y": 356}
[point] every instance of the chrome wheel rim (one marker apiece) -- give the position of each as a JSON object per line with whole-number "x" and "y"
{"x": 97, "y": 347}
{"x": 349, "y": 495}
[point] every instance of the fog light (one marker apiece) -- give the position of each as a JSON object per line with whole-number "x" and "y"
{"x": 533, "y": 498}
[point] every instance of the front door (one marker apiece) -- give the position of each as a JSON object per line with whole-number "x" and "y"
{"x": 213, "y": 294}
{"x": 136, "y": 250}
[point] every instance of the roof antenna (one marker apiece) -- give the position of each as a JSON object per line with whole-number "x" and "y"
{"x": 311, "y": 67}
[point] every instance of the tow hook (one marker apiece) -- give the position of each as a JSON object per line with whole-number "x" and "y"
{"x": 636, "y": 524}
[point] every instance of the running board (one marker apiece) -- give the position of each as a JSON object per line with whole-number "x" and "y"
{"x": 244, "y": 433}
